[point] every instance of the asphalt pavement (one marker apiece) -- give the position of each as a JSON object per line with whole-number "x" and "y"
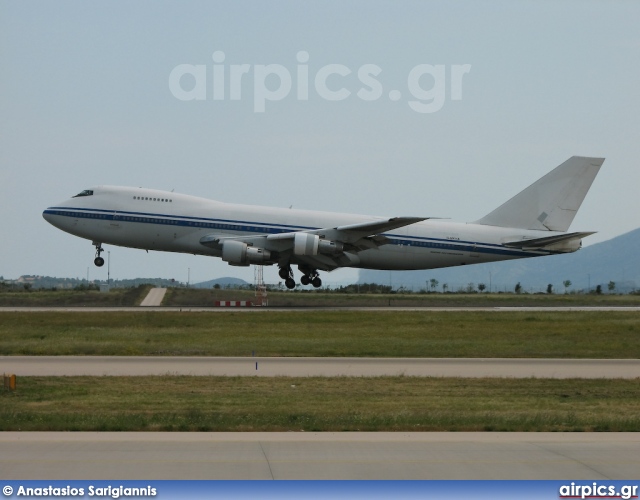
{"x": 298, "y": 455}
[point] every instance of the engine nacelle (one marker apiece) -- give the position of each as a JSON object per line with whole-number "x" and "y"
{"x": 238, "y": 253}
{"x": 305, "y": 244}
{"x": 330, "y": 247}
{"x": 311, "y": 244}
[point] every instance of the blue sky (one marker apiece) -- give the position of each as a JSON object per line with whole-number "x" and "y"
{"x": 85, "y": 100}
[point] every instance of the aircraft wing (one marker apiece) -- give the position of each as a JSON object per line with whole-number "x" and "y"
{"x": 326, "y": 248}
{"x": 352, "y": 233}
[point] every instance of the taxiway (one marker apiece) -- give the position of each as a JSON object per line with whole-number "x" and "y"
{"x": 318, "y": 367}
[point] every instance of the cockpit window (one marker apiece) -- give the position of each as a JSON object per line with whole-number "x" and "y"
{"x": 86, "y": 192}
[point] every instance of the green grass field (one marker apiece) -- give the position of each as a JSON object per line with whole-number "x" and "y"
{"x": 325, "y": 333}
{"x": 319, "y": 404}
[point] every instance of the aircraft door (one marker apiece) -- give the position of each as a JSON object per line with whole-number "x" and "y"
{"x": 115, "y": 221}
{"x": 473, "y": 253}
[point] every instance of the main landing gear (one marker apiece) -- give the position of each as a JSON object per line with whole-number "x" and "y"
{"x": 286, "y": 274}
{"x": 309, "y": 276}
{"x": 98, "y": 261}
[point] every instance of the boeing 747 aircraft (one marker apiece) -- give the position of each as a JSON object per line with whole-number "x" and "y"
{"x": 531, "y": 224}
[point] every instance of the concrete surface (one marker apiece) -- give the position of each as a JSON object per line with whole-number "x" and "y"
{"x": 91, "y": 455}
{"x": 318, "y": 367}
{"x": 154, "y": 297}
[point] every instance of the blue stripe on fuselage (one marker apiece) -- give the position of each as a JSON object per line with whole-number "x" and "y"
{"x": 262, "y": 228}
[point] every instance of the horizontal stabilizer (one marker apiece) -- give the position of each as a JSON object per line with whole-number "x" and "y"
{"x": 551, "y": 203}
{"x": 560, "y": 242}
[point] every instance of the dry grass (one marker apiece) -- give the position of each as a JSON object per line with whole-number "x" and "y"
{"x": 319, "y": 404}
{"x": 185, "y": 297}
{"x": 117, "y": 297}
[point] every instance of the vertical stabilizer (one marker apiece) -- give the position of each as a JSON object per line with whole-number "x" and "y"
{"x": 550, "y": 203}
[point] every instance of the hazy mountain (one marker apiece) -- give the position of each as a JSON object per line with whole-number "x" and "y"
{"x": 613, "y": 260}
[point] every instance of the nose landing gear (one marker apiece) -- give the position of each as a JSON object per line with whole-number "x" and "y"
{"x": 98, "y": 261}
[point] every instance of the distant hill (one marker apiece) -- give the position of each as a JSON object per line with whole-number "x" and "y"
{"x": 613, "y": 260}
{"x": 223, "y": 282}
{"x": 32, "y": 281}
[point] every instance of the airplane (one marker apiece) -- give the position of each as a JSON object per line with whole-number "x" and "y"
{"x": 531, "y": 224}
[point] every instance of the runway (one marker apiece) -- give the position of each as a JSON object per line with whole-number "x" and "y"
{"x": 439, "y": 455}
{"x": 318, "y": 367}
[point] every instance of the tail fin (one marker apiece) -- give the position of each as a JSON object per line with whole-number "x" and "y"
{"x": 550, "y": 203}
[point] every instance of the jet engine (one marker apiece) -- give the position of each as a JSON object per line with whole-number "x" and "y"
{"x": 311, "y": 244}
{"x": 238, "y": 253}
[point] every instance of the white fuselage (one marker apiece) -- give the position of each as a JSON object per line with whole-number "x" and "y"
{"x": 159, "y": 220}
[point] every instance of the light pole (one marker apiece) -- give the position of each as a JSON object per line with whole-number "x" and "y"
{"x": 109, "y": 268}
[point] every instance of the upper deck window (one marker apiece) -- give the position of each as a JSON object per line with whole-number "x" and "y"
{"x": 86, "y": 192}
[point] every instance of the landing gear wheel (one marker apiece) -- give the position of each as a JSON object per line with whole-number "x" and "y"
{"x": 98, "y": 261}
{"x": 310, "y": 276}
{"x": 284, "y": 272}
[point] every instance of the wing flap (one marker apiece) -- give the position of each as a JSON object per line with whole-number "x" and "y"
{"x": 352, "y": 233}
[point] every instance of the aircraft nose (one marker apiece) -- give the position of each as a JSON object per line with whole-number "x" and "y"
{"x": 50, "y": 216}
